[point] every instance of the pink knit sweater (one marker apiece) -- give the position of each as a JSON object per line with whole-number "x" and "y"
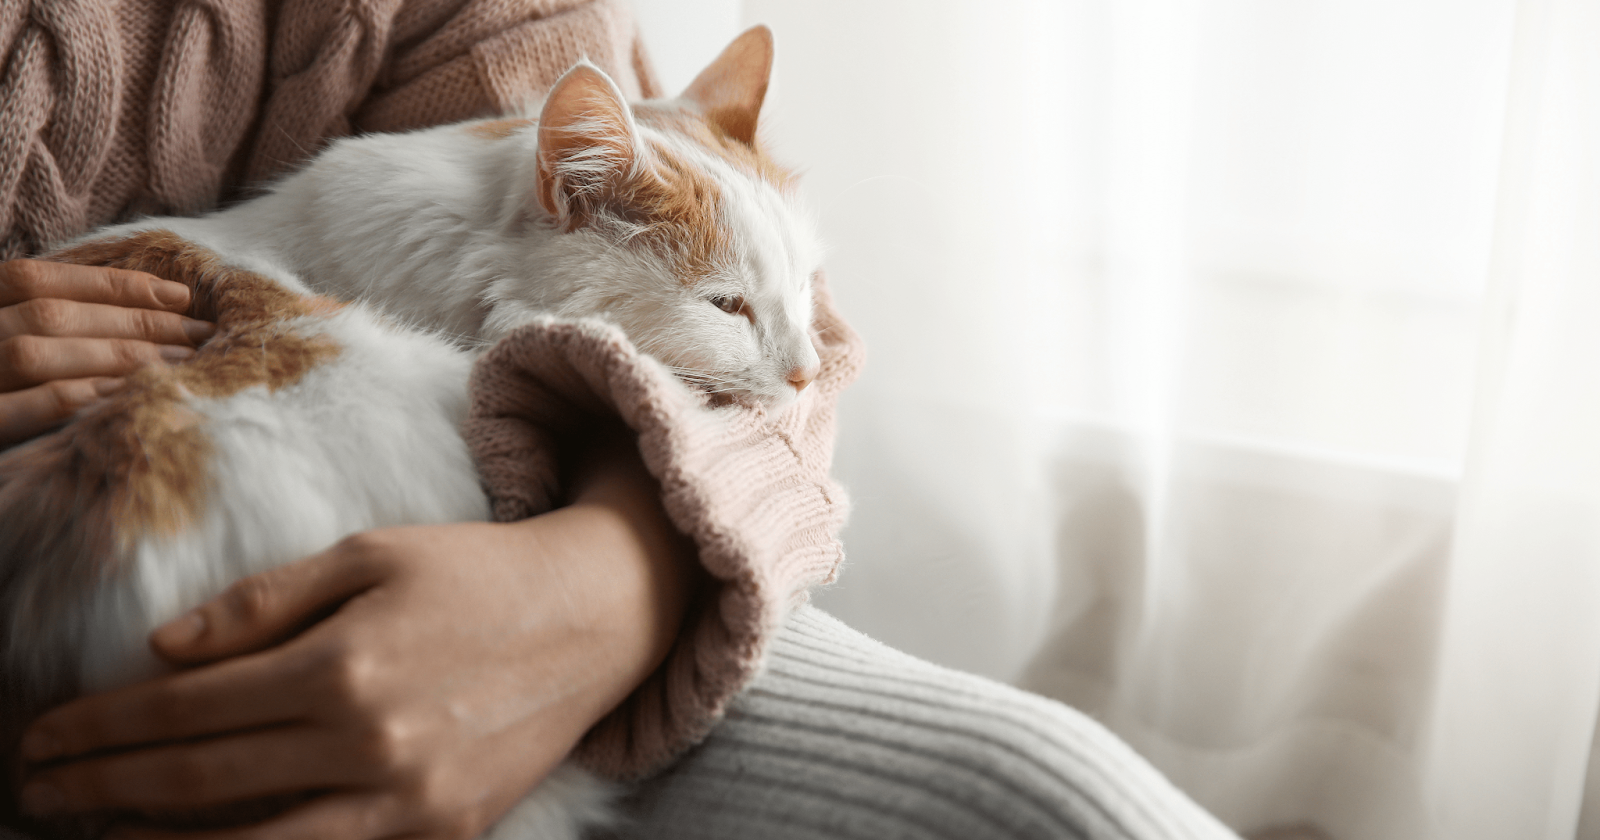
{"x": 752, "y": 490}
{"x": 110, "y": 109}
{"x": 146, "y": 106}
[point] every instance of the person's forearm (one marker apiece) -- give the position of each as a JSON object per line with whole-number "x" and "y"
{"x": 649, "y": 570}
{"x": 495, "y": 647}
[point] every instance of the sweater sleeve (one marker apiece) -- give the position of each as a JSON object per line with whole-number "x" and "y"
{"x": 394, "y": 65}
{"x": 168, "y": 106}
{"x": 751, "y": 489}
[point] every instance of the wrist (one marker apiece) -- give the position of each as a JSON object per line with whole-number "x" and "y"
{"x": 627, "y": 575}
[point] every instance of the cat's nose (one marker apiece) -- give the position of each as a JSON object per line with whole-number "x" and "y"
{"x": 800, "y": 377}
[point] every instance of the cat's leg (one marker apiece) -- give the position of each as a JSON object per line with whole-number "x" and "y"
{"x": 842, "y": 738}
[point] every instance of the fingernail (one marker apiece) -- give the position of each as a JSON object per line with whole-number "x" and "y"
{"x": 181, "y": 631}
{"x": 40, "y": 746}
{"x": 198, "y": 331}
{"x": 39, "y": 798}
{"x": 174, "y": 353}
{"x": 172, "y": 294}
{"x": 105, "y": 386}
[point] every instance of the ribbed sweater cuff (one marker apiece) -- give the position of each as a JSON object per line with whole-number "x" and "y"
{"x": 751, "y": 490}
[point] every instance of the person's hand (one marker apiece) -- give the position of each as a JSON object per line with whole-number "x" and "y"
{"x": 461, "y": 663}
{"x": 69, "y": 333}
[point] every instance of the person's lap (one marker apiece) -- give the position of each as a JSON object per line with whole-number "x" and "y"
{"x": 842, "y": 737}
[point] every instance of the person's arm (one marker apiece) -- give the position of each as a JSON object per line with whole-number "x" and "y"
{"x": 529, "y": 632}
{"x": 460, "y": 664}
{"x": 69, "y": 333}
{"x": 752, "y": 490}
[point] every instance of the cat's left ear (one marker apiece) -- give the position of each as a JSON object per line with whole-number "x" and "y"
{"x": 587, "y": 144}
{"x": 730, "y": 91}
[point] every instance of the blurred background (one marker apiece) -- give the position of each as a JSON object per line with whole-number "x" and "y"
{"x": 1234, "y": 377}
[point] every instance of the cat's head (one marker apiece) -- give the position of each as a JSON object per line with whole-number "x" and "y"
{"x": 674, "y": 224}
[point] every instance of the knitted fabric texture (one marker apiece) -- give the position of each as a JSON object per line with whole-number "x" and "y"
{"x": 751, "y": 489}
{"x": 109, "y": 110}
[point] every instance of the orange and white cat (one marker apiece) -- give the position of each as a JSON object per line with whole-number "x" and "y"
{"x": 351, "y": 300}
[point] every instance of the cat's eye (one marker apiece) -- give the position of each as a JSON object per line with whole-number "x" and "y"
{"x": 731, "y": 304}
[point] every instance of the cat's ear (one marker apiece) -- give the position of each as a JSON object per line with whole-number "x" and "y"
{"x": 587, "y": 143}
{"x": 729, "y": 92}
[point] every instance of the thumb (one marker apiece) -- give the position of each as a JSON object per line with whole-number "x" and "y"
{"x": 263, "y": 610}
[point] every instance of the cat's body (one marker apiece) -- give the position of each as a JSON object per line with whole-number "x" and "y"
{"x": 351, "y": 300}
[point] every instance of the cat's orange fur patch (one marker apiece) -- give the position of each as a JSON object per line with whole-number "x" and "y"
{"x": 679, "y": 204}
{"x": 498, "y": 129}
{"x": 137, "y": 464}
{"x": 253, "y": 346}
{"x": 752, "y": 159}
{"x": 322, "y": 305}
{"x": 678, "y": 200}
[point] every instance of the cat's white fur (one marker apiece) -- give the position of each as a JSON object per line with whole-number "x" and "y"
{"x": 432, "y": 228}
{"x": 439, "y": 238}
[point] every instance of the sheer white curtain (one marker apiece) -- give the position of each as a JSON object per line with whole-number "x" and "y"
{"x": 1234, "y": 373}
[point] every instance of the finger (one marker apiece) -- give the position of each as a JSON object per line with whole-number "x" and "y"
{"x": 262, "y": 610}
{"x": 242, "y": 691}
{"x": 244, "y": 766}
{"x": 24, "y": 414}
{"x": 248, "y": 692}
{"x": 28, "y": 360}
{"x": 345, "y": 815}
{"x": 67, "y": 318}
{"x": 22, "y": 280}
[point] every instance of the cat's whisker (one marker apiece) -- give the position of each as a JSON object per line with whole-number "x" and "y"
{"x": 722, "y": 390}
{"x": 706, "y": 380}
{"x": 696, "y": 373}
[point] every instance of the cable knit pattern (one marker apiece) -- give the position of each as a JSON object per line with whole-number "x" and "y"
{"x": 55, "y": 108}
{"x": 752, "y": 490}
{"x": 477, "y": 56}
{"x": 212, "y": 56}
{"x": 109, "y": 110}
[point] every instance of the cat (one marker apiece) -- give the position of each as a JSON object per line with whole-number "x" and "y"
{"x": 351, "y": 299}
